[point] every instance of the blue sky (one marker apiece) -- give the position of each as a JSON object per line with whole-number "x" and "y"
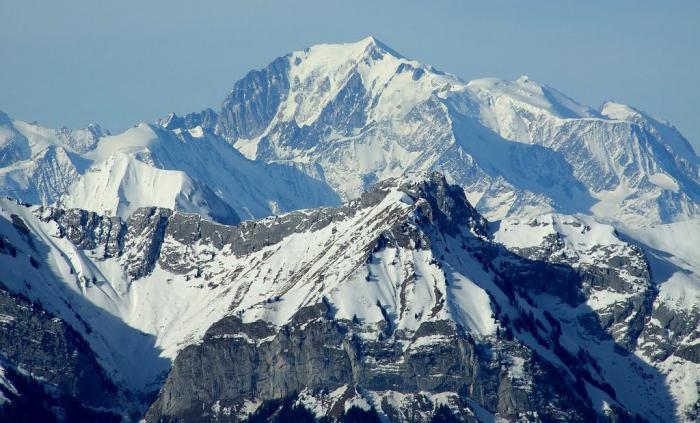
{"x": 71, "y": 62}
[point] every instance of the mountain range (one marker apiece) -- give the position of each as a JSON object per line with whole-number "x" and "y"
{"x": 353, "y": 234}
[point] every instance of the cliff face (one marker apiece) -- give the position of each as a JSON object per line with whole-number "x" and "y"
{"x": 47, "y": 369}
{"x": 404, "y": 376}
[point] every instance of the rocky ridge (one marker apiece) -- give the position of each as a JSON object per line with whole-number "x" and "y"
{"x": 404, "y": 299}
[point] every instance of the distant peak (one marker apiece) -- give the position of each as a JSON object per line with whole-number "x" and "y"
{"x": 368, "y": 42}
{"x": 372, "y": 42}
{"x": 367, "y": 45}
{"x": 206, "y": 119}
{"x": 413, "y": 177}
{"x": 97, "y": 129}
{"x": 525, "y": 82}
{"x": 171, "y": 121}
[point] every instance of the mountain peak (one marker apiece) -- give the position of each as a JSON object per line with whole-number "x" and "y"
{"x": 369, "y": 46}
{"x": 371, "y": 42}
{"x": 442, "y": 203}
{"x": 206, "y": 119}
{"x": 361, "y": 113}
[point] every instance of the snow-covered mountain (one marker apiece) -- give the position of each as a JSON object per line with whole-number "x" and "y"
{"x": 191, "y": 170}
{"x": 39, "y": 164}
{"x": 201, "y": 268}
{"x": 402, "y": 300}
{"x": 362, "y": 112}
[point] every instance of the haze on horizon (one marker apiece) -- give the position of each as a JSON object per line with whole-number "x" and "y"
{"x": 119, "y": 63}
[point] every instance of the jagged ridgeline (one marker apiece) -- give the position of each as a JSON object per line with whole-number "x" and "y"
{"x": 353, "y": 236}
{"x": 398, "y": 305}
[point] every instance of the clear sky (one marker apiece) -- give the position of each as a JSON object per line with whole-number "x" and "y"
{"x": 71, "y": 62}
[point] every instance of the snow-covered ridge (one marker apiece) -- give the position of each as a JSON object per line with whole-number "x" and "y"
{"x": 191, "y": 170}
{"x": 578, "y": 232}
{"x": 171, "y": 275}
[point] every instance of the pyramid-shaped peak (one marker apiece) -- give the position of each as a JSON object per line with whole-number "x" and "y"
{"x": 369, "y": 45}
{"x": 372, "y": 42}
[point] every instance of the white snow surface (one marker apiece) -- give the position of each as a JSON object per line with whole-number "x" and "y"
{"x": 579, "y": 232}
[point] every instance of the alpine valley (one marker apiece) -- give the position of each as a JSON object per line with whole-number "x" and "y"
{"x": 353, "y": 236}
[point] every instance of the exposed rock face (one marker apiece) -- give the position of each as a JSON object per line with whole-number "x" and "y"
{"x": 206, "y": 119}
{"x": 88, "y": 230}
{"x": 139, "y": 241}
{"x": 667, "y": 335}
{"x": 47, "y": 370}
{"x": 615, "y": 284}
{"x": 315, "y": 353}
{"x": 253, "y": 101}
{"x": 596, "y": 269}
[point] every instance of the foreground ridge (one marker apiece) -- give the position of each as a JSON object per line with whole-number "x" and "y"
{"x": 401, "y": 301}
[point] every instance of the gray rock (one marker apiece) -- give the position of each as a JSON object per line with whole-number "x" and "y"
{"x": 43, "y": 348}
{"x": 238, "y": 362}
